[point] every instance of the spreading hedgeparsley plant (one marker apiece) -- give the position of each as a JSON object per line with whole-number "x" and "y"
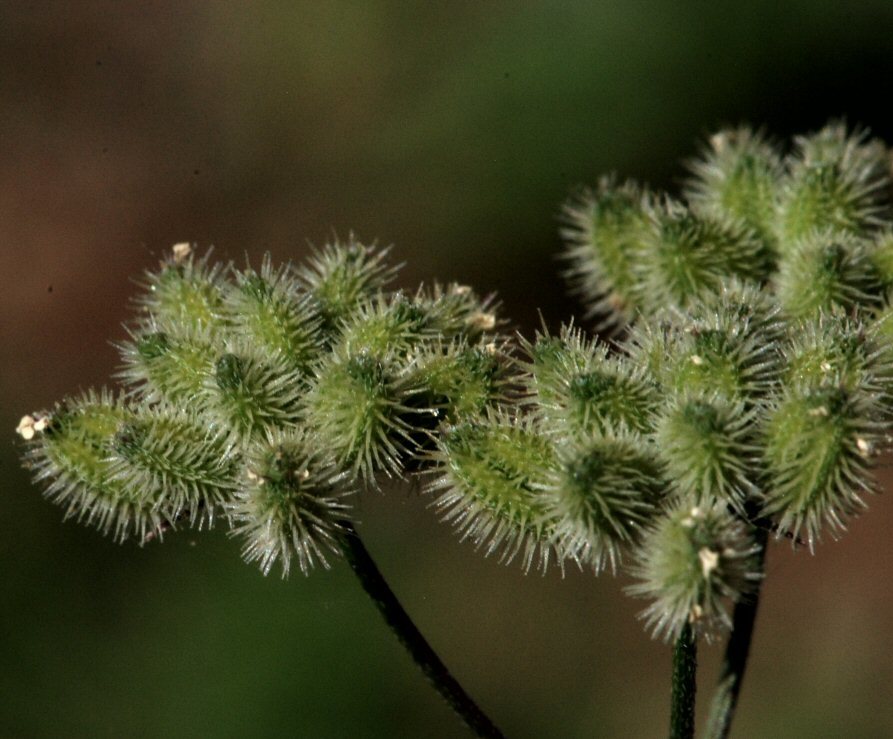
{"x": 738, "y": 390}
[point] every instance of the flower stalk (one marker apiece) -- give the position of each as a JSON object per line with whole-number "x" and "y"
{"x": 685, "y": 668}
{"x": 731, "y": 676}
{"x": 402, "y": 626}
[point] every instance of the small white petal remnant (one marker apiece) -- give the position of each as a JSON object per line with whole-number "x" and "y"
{"x": 181, "y": 251}
{"x": 305, "y": 473}
{"x": 460, "y": 289}
{"x": 864, "y": 446}
{"x": 709, "y": 560}
{"x": 694, "y": 515}
{"x": 697, "y": 360}
{"x": 25, "y": 429}
{"x": 483, "y": 321}
{"x": 821, "y": 411}
{"x": 490, "y": 348}
{"x": 29, "y": 426}
{"x": 695, "y": 614}
{"x": 826, "y": 366}
{"x": 719, "y": 141}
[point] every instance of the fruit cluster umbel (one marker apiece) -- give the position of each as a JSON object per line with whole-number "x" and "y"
{"x": 747, "y": 387}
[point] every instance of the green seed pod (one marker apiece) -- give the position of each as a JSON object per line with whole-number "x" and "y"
{"x": 599, "y": 497}
{"x": 603, "y": 230}
{"x": 694, "y": 560}
{"x": 251, "y": 391}
{"x": 819, "y": 444}
{"x": 166, "y": 362}
{"x": 686, "y": 256}
{"x": 826, "y": 270}
{"x": 836, "y": 348}
{"x": 881, "y": 256}
{"x": 837, "y": 181}
{"x": 462, "y": 382}
{"x": 737, "y": 177}
{"x": 724, "y": 343}
{"x": 385, "y": 325}
{"x": 269, "y": 310}
{"x": 185, "y": 291}
{"x": 708, "y": 449}
{"x": 177, "y": 459}
{"x": 878, "y": 376}
{"x": 709, "y": 361}
{"x": 340, "y": 276}
{"x": 651, "y": 346}
{"x": 722, "y": 347}
{"x": 744, "y": 309}
{"x": 290, "y": 502}
{"x": 361, "y": 408}
{"x": 69, "y": 451}
{"x": 490, "y": 476}
{"x": 879, "y": 336}
{"x": 456, "y": 312}
{"x": 578, "y": 389}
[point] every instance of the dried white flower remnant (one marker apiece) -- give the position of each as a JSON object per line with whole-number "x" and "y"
{"x": 482, "y": 321}
{"x": 181, "y": 251}
{"x": 29, "y": 426}
{"x": 709, "y": 560}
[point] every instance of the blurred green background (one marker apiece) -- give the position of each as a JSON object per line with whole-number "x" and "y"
{"x": 454, "y": 131}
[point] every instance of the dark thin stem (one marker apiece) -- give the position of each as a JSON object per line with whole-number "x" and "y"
{"x": 725, "y": 699}
{"x": 685, "y": 668}
{"x": 410, "y": 637}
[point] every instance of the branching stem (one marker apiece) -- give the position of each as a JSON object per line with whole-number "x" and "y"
{"x": 685, "y": 667}
{"x": 725, "y": 699}
{"x": 410, "y": 637}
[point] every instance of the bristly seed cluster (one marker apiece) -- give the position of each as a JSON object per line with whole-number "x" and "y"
{"x": 267, "y": 396}
{"x": 748, "y": 386}
{"x": 758, "y": 308}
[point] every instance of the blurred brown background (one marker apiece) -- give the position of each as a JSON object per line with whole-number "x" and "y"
{"x": 454, "y": 131}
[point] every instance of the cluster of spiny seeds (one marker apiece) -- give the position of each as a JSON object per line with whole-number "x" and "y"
{"x": 753, "y": 364}
{"x": 266, "y": 397}
{"x": 747, "y": 388}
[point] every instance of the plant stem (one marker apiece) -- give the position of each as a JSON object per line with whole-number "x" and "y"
{"x": 725, "y": 699}
{"x": 685, "y": 667}
{"x": 410, "y": 637}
